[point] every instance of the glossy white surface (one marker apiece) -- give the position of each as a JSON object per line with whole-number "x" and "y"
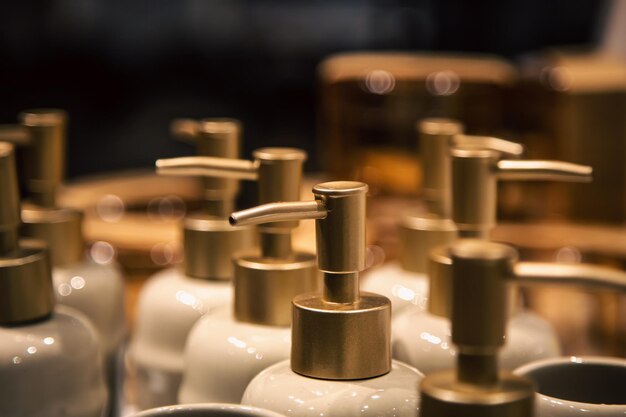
{"x": 213, "y": 410}
{"x": 423, "y": 340}
{"x": 403, "y": 288}
{"x": 223, "y": 355}
{"x": 278, "y": 388}
{"x": 549, "y": 375}
{"x": 169, "y": 305}
{"x": 51, "y": 368}
{"x": 97, "y": 290}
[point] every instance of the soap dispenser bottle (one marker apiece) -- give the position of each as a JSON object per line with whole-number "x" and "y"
{"x": 341, "y": 354}
{"x": 475, "y": 173}
{"x": 405, "y": 282}
{"x": 226, "y": 349}
{"x": 50, "y": 364}
{"x": 93, "y": 287}
{"x": 480, "y": 273}
{"x": 172, "y": 300}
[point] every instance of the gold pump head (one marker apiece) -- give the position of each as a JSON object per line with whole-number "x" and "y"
{"x": 421, "y": 232}
{"x": 475, "y": 173}
{"x": 25, "y": 279}
{"x": 265, "y": 283}
{"x": 481, "y": 272}
{"x": 42, "y": 132}
{"x": 209, "y": 242}
{"x": 438, "y": 137}
{"x": 339, "y": 333}
{"x": 217, "y": 137}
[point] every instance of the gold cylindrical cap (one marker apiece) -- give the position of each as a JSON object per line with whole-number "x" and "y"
{"x": 44, "y": 162}
{"x": 420, "y": 234}
{"x": 341, "y": 237}
{"x": 60, "y": 228}
{"x": 264, "y": 287}
{"x": 341, "y": 341}
{"x": 210, "y": 245}
{"x": 474, "y": 191}
{"x": 221, "y": 138}
{"x": 280, "y": 176}
{"x": 442, "y": 395}
{"x": 216, "y": 137}
{"x": 480, "y": 271}
{"x": 26, "y": 292}
{"x": 440, "y": 285}
{"x": 10, "y": 201}
{"x": 436, "y": 139}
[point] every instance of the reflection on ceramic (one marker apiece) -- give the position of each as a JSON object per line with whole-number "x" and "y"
{"x": 97, "y": 290}
{"x": 424, "y": 340}
{"x": 573, "y": 386}
{"x": 223, "y": 355}
{"x": 169, "y": 305}
{"x": 51, "y": 368}
{"x": 280, "y": 389}
{"x": 402, "y": 287}
{"x": 206, "y": 410}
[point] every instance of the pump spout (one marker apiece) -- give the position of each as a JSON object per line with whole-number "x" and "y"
{"x": 543, "y": 170}
{"x": 592, "y": 276}
{"x": 208, "y": 166}
{"x": 504, "y": 147}
{"x": 279, "y": 212}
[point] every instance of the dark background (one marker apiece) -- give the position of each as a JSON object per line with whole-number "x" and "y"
{"x": 123, "y": 69}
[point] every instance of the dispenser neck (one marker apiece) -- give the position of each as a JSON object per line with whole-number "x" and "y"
{"x": 219, "y": 207}
{"x": 276, "y": 245}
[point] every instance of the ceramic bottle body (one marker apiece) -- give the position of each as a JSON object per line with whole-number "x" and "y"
{"x": 51, "y": 368}
{"x": 169, "y": 305}
{"x": 97, "y": 291}
{"x": 424, "y": 340}
{"x": 404, "y": 288}
{"x": 280, "y": 389}
{"x": 223, "y": 355}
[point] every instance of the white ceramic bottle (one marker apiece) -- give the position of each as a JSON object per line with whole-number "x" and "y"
{"x": 50, "y": 363}
{"x": 95, "y": 289}
{"x": 405, "y": 282}
{"x": 423, "y": 338}
{"x": 341, "y": 354}
{"x": 481, "y": 273}
{"x": 172, "y": 300}
{"x": 225, "y": 350}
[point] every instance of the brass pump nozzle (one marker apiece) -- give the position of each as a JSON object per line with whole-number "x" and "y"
{"x": 217, "y": 137}
{"x": 265, "y": 284}
{"x": 421, "y": 232}
{"x": 481, "y": 272}
{"x": 475, "y": 173}
{"x": 340, "y": 333}
{"x": 43, "y": 132}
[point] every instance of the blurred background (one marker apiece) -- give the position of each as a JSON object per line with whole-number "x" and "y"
{"x": 124, "y": 70}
